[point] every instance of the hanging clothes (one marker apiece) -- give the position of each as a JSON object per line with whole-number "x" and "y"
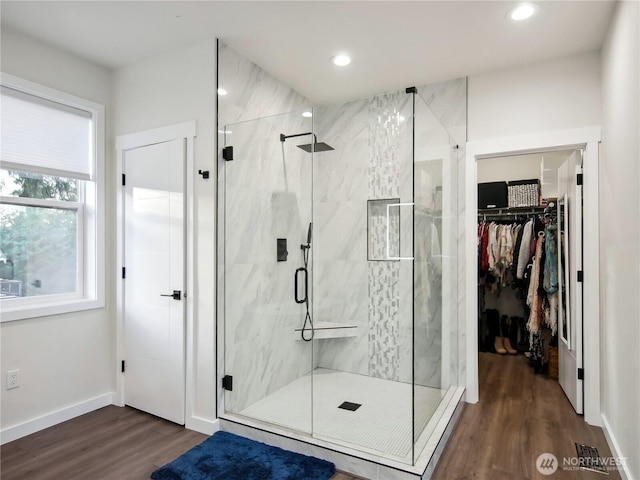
{"x": 551, "y": 259}
{"x": 483, "y": 245}
{"x": 534, "y": 299}
{"x": 494, "y": 248}
{"x": 524, "y": 253}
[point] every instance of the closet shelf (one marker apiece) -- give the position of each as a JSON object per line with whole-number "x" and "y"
{"x": 511, "y": 210}
{"x": 322, "y": 330}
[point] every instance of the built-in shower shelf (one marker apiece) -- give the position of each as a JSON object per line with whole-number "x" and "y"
{"x": 329, "y": 330}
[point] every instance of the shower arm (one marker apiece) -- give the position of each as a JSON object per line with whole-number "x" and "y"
{"x": 283, "y": 137}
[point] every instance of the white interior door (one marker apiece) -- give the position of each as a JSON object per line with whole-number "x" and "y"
{"x": 570, "y": 344}
{"x": 154, "y": 261}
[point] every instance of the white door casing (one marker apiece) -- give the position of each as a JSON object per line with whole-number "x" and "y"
{"x": 179, "y": 138}
{"x": 587, "y": 138}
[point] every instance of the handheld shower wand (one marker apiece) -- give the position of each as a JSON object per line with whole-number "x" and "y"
{"x": 309, "y": 235}
{"x": 305, "y": 256}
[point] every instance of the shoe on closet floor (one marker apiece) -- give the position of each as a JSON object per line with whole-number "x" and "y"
{"x": 498, "y": 344}
{"x": 507, "y": 346}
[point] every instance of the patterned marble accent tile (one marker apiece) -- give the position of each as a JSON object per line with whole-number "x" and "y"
{"x": 384, "y": 347}
{"x": 384, "y": 183}
{"x": 384, "y": 169}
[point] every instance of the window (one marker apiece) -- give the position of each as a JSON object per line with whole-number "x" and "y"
{"x": 51, "y": 212}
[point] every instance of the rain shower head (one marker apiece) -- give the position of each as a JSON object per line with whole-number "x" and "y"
{"x": 309, "y": 147}
{"x": 316, "y": 147}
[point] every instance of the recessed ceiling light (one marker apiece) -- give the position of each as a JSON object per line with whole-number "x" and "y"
{"x": 522, "y": 11}
{"x": 307, "y": 114}
{"x": 341, "y": 59}
{"x": 222, "y": 91}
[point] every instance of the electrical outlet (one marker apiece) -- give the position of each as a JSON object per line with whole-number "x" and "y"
{"x": 13, "y": 380}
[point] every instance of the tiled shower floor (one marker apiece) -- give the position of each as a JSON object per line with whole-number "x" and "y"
{"x": 383, "y": 424}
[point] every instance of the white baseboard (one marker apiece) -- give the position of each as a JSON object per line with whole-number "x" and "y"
{"x": 615, "y": 448}
{"x": 15, "y": 432}
{"x": 202, "y": 425}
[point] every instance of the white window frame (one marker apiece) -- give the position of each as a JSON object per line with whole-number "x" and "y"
{"x": 91, "y": 220}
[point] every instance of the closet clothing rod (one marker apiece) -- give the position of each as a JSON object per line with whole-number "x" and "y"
{"x": 511, "y": 212}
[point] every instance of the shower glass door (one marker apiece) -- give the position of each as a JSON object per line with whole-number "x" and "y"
{"x": 363, "y": 275}
{"x": 267, "y": 212}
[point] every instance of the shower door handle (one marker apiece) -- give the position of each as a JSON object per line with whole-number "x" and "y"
{"x": 295, "y": 286}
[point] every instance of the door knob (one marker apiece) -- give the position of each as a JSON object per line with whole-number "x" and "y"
{"x": 176, "y": 295}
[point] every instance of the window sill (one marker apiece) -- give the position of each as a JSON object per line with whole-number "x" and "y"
{"x": 47, "y": 308}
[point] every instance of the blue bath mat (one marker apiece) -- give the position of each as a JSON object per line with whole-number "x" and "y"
{"x": 225, "y": 456}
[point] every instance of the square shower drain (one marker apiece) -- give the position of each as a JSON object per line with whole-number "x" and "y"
{"x": 352, "y": 407}
{"x": 589, "y": 458}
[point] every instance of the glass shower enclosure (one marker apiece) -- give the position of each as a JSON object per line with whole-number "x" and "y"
{"x": 339, "y": 273}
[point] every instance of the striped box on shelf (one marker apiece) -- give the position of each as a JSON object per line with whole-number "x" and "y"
{"x": 524, "y": 193}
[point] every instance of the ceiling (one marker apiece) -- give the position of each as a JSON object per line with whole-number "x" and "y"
{"x": 393, "y": 44}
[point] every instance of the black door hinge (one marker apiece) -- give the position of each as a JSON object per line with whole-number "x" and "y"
{"x": 227, "y": 153}
{"x": 124, "y": 182}
{"x": 579, "y": 179}
{"x": 124, "y": 272}
{"x": 581, "y": 374}
{"x": 580, "y": 276}
{"x": 227, "y": 382}
{"x": 411, "y": 90}
{"x": 122, "y": 367}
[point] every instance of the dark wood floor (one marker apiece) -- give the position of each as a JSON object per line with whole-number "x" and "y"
{"x": 520, "y": 415}
{"x": 112, "y": 443}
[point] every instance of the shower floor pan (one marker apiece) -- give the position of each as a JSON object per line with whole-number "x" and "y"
{"x": 378, "y": 432}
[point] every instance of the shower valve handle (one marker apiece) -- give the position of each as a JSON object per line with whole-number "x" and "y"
{"x": 306, "y": 284}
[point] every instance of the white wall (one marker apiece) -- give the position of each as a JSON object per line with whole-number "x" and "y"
{"x": 64, "y": 360}
{"x": 505, "y": 169}
{"x": 620, "y": 234}
{"x": 555, "y": 95}
{"x": 176, "y": 87}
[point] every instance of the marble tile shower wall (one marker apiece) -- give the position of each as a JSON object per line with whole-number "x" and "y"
{"x": 341, "y": 287}
{"x": 252, "y": 92}
{"x": 448, "y": 101}
{"x": 264, "y": 195}
{"x": 372, "y": 160}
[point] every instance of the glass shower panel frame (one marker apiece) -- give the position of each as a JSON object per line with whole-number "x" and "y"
{"x": 384, "y": 316}
{"x": 267, "y": 198}
{"x": 436, "y": 269}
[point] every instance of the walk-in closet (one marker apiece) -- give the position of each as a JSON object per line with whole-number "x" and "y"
{"x": 528, "y": 239}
